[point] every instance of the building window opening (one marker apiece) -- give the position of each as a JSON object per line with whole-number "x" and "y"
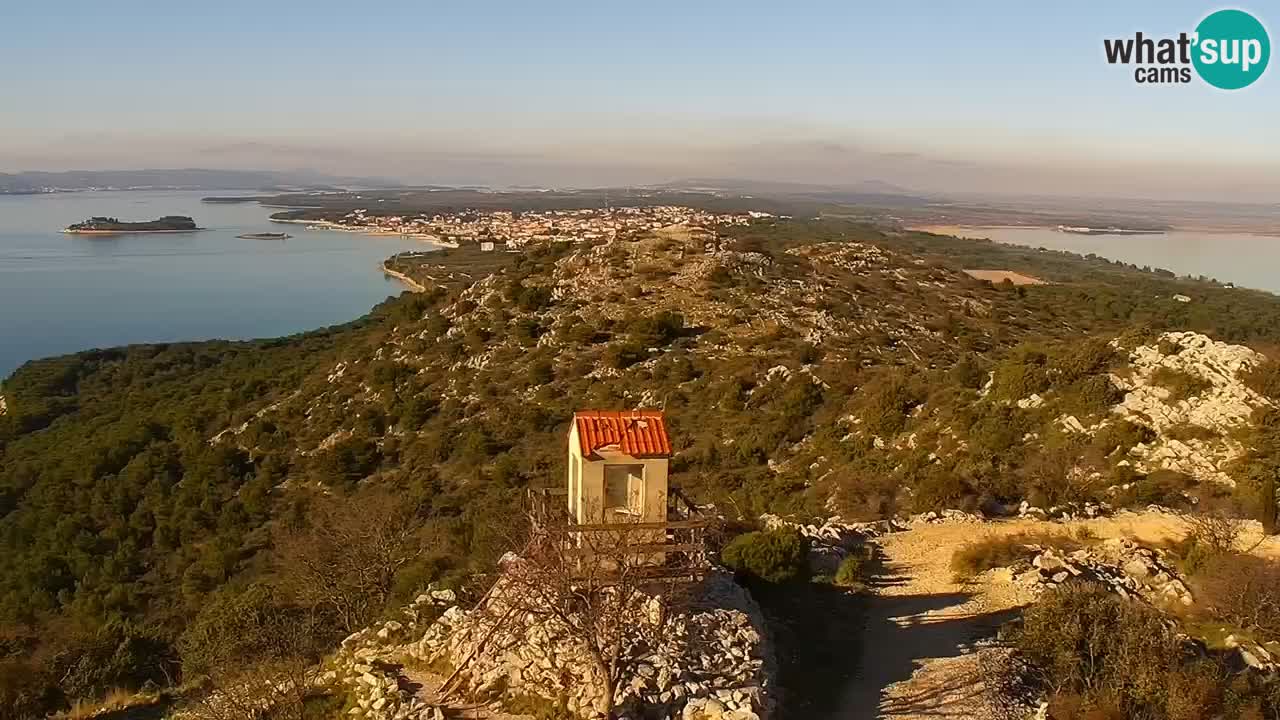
{"x": 618, "y": 482}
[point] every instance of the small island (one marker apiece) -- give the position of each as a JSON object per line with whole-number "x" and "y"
{"x": 230, "y": 199}
{"x": 265, "y": 236}
{"x": 113, "y": 226}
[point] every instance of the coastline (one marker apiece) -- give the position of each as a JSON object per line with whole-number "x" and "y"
{"x": 413, "y": 285}
{"x": 957, "y": 229}
{"x": 214, "y": 284}
{"x": 374, "y": 232}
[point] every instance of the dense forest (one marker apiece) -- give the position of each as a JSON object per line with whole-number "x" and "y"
{"x": 145, "y": 490}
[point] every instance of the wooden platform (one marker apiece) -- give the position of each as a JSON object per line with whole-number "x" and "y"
{"x": 674, "y": 549}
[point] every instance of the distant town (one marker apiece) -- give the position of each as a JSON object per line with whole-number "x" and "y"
{"x": 516, "y": 229}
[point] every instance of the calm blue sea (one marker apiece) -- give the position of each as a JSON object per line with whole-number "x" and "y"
{"x": 63, "y": 293}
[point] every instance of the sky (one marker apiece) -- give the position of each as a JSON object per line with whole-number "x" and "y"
{"x": 982, "y": 97}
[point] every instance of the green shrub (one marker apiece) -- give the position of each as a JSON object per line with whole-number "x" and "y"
{"x": 117, "y": 655}
{"x": 805, "y": 353}
{"x": 1083, "y": 639}
{"x": 1121, "y": 435}
{"x": 889, "y": 401}
{"x": 1180, "y": 383}
{"x": 1265, "y": 379}
{"x": 1077, "y": 361}
{"x": 773, "y": 556}
{"x": 620, "y": 356}
{"x": 1100, "y": 656}
{"x": 1021, "y": 375}
{"x": 935, "y": 488}
{"x": 995, "y": 431}
{"x": 530, "y": 299}
{"x": 967, "y": 372}
{"x": 1161, "y": 487}
{"x": 1191, "y": 556}
{"x": 1265, "y": 502}
{"x": 656, "y": 330}
{"x": 855, "y": 569}
{"x": 1089, "y": 395}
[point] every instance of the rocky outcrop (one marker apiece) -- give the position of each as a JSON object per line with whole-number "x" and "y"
{"x": 1065, "y": 512}
{"x": 1252, "y": 655}
{"x": 1125, "y": 568}
{"x": 831, "y": 540}
{"x": 1192, "y": 433}
{"x": 710, "y": 661}
{"x": 934, "y": 517}
{"x": 364, "y": 666}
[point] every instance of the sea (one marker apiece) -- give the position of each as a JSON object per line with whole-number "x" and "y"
{"x": 64, "y": 293}
{"x": 1247, "y": 260}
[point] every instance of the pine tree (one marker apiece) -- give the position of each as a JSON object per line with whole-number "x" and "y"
{"x": 1268, "y": 500}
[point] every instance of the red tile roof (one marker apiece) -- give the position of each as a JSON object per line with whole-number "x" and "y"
{"x": 638, "y": 433}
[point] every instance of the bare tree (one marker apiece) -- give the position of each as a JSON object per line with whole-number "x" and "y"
{"x": 270, "y": 688}
{"x": 344, "y": 561}
{"x": 608, "y": 588}
{"x": 1216, "y": 531}
{"x": 255, "y": 657}
{"x": 1245, "y": 590}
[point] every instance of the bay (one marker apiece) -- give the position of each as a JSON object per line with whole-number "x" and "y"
{"x": 1244, "y": 259}
{"x": 64, "y": 293}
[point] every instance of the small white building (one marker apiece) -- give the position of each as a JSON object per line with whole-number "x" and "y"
{"x": 618, "y": 466}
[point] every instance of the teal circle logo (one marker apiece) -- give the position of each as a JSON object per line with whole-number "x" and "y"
{"x": 1232, "y": 49}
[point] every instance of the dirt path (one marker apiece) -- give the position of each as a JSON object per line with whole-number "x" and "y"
{"x": 916, "y": 616}
{"x": 919, "y": 620}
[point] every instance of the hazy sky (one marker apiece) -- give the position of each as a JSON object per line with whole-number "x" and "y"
{"x": 979, "y": 96}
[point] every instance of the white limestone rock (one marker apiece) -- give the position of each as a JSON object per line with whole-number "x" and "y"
{"x": 1224, "y": 406}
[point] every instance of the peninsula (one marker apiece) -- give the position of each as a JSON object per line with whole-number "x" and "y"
{"x": 113, "y": 226}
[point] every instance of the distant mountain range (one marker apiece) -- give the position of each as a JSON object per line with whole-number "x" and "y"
{"x": 180, "y": 179}
{"x": 868, "y": 192}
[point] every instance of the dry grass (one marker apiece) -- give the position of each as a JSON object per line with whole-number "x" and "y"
{"x": 115, "y": 700}
{"x": 1005, "y": 550}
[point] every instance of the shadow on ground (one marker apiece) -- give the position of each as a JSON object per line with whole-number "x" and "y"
{"x": 838, "y": 651}
{"x": 142, "y": 712}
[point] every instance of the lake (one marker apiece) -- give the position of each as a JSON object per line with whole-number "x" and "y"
{"x": 1247, "y": 260}
{"x": 63, "y": 293}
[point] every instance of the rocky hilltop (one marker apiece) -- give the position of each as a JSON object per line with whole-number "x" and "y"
{"x": 808, "y": 369}
{"x": 1196, "y": 428}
